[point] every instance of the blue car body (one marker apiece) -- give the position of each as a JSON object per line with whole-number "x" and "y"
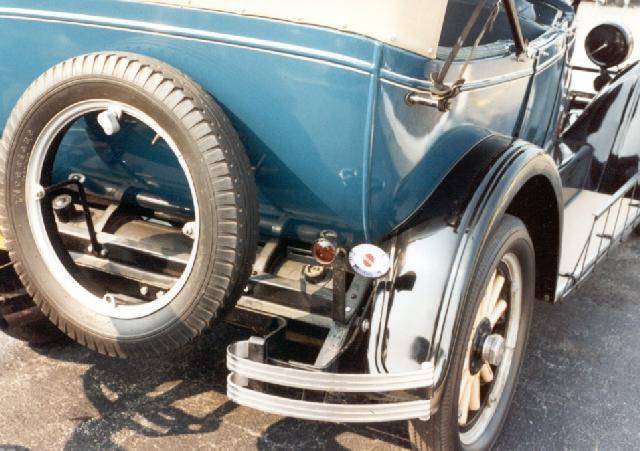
{"x": 322, "y": 113}
{"x": 337, "y": 144}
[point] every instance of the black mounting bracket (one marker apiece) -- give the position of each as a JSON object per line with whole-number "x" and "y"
{"x": 261, "y": 348}
{"x": 96, "y": 247}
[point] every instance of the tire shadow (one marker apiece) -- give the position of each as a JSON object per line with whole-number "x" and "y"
{"x": 310, "y": 435}
{"x": 184, "y": 395}
{"x": 173, "y": 396}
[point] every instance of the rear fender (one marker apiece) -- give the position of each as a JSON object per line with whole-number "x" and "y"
{"x": 415, "y": 317}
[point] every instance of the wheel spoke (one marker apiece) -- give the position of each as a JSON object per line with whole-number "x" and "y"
{"x": 474, "y": 403}
{"x": 486, "y": 373}
{"x": 465, "y": 398}
{"x": 480, "y": 392}
{"x": 495, "y": 293}
{"x": 483, "y": 310}
{"x": 497, "y": 312}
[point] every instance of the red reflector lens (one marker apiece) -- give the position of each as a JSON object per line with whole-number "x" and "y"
{"x": 324, "y": 251}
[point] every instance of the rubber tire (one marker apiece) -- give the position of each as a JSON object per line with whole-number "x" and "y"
{"x": 221, "y": 173}
{"x": 441, "y": 431}
{"x": 36, "y": 333}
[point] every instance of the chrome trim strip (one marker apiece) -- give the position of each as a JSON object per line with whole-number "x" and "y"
{"x": 238, "y": 363}
{"x": 549, "y": 37}
{"x": 411, "y": 25}
{"x": 417, "y": 85}
{"x": 335, "y": 413}
{"x": 546, "y": 40}
{"x": 497, "y": 80}
{"x": 394, "y": 78}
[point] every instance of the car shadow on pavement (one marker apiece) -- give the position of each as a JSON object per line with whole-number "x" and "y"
{"x": 150, "y": 397}
{"x": 578, "y": 350}
{"x": 184, "y": 394}
{"x": 309, "y": 435}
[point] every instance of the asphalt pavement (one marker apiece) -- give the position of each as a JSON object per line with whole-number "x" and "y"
{"x": 579, "y": 387}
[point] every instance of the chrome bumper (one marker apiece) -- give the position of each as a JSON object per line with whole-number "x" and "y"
{"x": 243, "y": 370}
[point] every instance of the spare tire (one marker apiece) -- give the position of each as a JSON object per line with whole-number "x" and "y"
{"x": 19, "y": 317}
{"x": 89, "y": 292}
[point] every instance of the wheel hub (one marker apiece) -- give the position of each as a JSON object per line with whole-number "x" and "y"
{"x": 477, "y": 359}
{"x": 488, "y": 347}
{"x": 493, "y": 349}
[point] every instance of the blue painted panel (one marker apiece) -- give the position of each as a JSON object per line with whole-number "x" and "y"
{"x": 302, "y": 120}
{"x": 546, "y": 95}
{"x": 332, "y": 146}
{"x": 131, "y": 159}
{"x": 230, "y": 29}
{"x": 415, "y": 147}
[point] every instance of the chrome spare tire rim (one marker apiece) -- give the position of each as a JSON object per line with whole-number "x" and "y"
{"x": 33, "y": 192}
{"x": 490, "y": 350}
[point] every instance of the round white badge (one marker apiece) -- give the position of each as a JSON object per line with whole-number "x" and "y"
{"x": 369, "y": 260}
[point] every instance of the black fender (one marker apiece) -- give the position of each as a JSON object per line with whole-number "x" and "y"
{"x": 415, "y": 316}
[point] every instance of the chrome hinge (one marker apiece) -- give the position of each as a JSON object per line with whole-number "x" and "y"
{"x": 436, "y": 97}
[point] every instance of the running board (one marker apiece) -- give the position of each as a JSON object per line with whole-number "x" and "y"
{"x": 609, "y": 227}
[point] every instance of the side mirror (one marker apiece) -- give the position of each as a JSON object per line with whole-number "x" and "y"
{"x": 608, "y": 45}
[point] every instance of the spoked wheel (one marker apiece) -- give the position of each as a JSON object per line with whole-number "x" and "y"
{"x": 128, "y": 203}
{"x": 489, "y": 349}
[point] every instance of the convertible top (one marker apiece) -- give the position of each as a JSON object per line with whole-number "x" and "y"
{"x": 413, "y": 25}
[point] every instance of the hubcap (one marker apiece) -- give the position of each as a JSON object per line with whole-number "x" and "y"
{"x": 490, "y": 349}
{"x": 493, "y": 349}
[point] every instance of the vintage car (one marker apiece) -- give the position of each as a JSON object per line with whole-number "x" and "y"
{"x": 378, "y": 190}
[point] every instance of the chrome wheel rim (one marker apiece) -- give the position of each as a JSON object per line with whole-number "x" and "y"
{"x": 481, "y": 390}
{"x": 33, "y": 196}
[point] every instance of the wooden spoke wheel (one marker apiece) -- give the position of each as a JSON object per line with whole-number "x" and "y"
{"x": 489, "y": 347}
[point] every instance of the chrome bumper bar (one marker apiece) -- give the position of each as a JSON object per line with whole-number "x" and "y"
{"x": 243, "y": 370}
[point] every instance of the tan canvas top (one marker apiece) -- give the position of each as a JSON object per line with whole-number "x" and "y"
{"x": 413, "y": 25}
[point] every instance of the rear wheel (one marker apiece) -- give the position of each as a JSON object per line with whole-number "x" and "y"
{"x": 127, "y": 202}
{"x": 489, "y": 349}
